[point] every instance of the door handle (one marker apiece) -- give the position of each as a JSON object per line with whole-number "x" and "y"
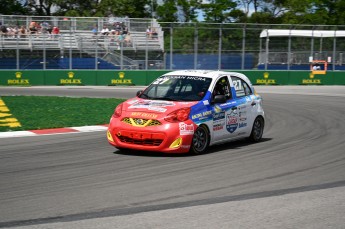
{"x": 234, "y": 108}
{"x": 253, "y": 103}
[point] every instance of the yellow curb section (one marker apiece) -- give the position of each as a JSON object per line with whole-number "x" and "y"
{"x": 6, "y": 118}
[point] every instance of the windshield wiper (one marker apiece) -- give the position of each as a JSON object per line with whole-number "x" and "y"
{"x": 167, "y": 98}
{"x": 143, "y": 94}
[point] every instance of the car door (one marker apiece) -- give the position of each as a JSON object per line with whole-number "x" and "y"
{"x": 241, "y": 119}
{"x": 220, "y": 110}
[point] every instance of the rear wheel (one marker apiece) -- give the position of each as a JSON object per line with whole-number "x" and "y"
{"x": 257, "y": 130}
{"x": 201, "y": 140}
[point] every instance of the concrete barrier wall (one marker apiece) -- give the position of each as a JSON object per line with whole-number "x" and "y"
{"x": 140, "y": 77}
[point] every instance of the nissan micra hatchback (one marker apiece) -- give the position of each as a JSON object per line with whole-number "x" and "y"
{"x": 188, "y": 111}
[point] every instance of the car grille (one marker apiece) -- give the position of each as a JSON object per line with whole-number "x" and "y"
{"x": 141, "y": 122}
{"x": 144, "y": 142}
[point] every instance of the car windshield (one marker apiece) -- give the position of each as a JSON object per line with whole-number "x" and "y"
{"x": 177, "y": 88}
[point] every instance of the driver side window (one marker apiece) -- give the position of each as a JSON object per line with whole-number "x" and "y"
{"x": 222, "y": 87}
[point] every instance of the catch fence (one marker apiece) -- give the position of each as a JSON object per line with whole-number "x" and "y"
{"x": 227, "y": 46}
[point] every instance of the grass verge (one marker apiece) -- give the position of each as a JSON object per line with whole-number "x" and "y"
{"x": 43, "y": 112}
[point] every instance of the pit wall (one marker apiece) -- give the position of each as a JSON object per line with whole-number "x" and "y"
{"x": 142, "y": 77}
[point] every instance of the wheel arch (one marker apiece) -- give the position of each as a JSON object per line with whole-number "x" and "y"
{"x": 208, "y": 131}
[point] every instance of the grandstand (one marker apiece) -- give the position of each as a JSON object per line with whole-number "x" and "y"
{"x": 76, "y": 46}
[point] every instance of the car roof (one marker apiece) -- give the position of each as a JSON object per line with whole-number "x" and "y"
{"x": 206, "y": 73}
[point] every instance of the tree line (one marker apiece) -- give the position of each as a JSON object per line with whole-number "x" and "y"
{"x": 309, "y": 12}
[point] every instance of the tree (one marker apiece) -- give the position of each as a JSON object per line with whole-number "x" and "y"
{"x": 90, "y": 8}
{"x": 178, "y": 11}
{"x": 332, "y": 12}
{"x": 129, "y": 8}
{"x": 9, "y": 7}
{"x": 218, "y": 11}
{"x": 188, "y": 9}
{"x": 41, "y": 7}
{"x": 167, "y": 11}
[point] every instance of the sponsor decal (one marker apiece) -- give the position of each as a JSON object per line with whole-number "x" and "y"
{"x": 185, "y": 146}
{"x": 18, "y": 80}
{"x": 217, "y": 127}
{"x": 121, "y": 80}
{"x": 217, "y": 108}
{"x": 71, "y": 79}
{"x": 165, "y": 78}
{"x": 228, "y": 104}
{"x": 242, "y": 124}
{"x": 202, "y": 115}
{"x": 132, "y": 101}
{"x": 158, "y": 109}
{"x": 266, "y": 80}
{"x": 242, "y": 116}
{"x": 144, "y": 115}
{"x": 232, "y": 122}
{"x": 186, "y": 129}
{"x": 151, "y": 105}
{"x": 219, "y": 116}
{"x": 218, "y": 121}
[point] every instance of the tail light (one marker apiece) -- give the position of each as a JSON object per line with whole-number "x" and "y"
{"x": 118, "y": 111}
{"x": 179, "y": 115}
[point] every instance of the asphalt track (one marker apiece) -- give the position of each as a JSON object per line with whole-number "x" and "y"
{"x": 294, "y": 178}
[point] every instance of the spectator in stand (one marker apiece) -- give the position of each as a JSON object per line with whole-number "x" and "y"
{"x": 44, "y": 27}
{"x": 118, "y": 26}
{"x": 149, "y": 32}
{"x": 9, "y": 31}
{"x": 105, "y": 31}
{"x": 124, "y": 30}
{"x": 94, "y": 31}
{"x": 128, "y": 40}
{"x": 15, "y": 31}
{"x": 154, "y": 34}
{"x": 55, "y": 32}
{"x": 50, "y": 29}
{"x": 3, "y": 29}
{"x": 38, "y": 27}
{"x": 118, "y": 38}
{"x": 33, "y": 28}
{"x": 22, "y": 32}
{"x": 112, "y": 35}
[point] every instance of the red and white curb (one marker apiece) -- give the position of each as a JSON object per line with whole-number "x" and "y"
{"x": 65, "y": 130}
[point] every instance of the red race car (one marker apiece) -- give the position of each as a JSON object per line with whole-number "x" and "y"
{"x": 187, "y": 111}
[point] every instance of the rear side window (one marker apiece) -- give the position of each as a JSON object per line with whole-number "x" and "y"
{"x": 241, "y": 87}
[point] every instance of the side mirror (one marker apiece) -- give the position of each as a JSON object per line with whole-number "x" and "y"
{"x": 219, "y": 99}
{"x": 139, "y": 92}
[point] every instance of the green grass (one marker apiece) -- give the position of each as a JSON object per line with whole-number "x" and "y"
{"x": 38, "y": 112}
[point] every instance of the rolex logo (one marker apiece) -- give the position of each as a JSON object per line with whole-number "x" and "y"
{"x": 70, "y": 75}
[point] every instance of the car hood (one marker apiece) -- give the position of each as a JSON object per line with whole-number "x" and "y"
{"x": 145, "y": 107}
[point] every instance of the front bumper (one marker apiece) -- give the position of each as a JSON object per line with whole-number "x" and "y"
{"x": 167, "y": 137}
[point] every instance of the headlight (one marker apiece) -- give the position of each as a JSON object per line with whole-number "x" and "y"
{"x": 118, "y": 111}
{"x": 179, "y": 115}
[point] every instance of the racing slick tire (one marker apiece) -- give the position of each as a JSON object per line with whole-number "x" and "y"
{"x": 257, "y": 130}
{"x": 201, "y": 140}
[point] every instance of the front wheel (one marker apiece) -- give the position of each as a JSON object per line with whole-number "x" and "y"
{"x": 201, "y": 140}
{"x": 257, "y": 130}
